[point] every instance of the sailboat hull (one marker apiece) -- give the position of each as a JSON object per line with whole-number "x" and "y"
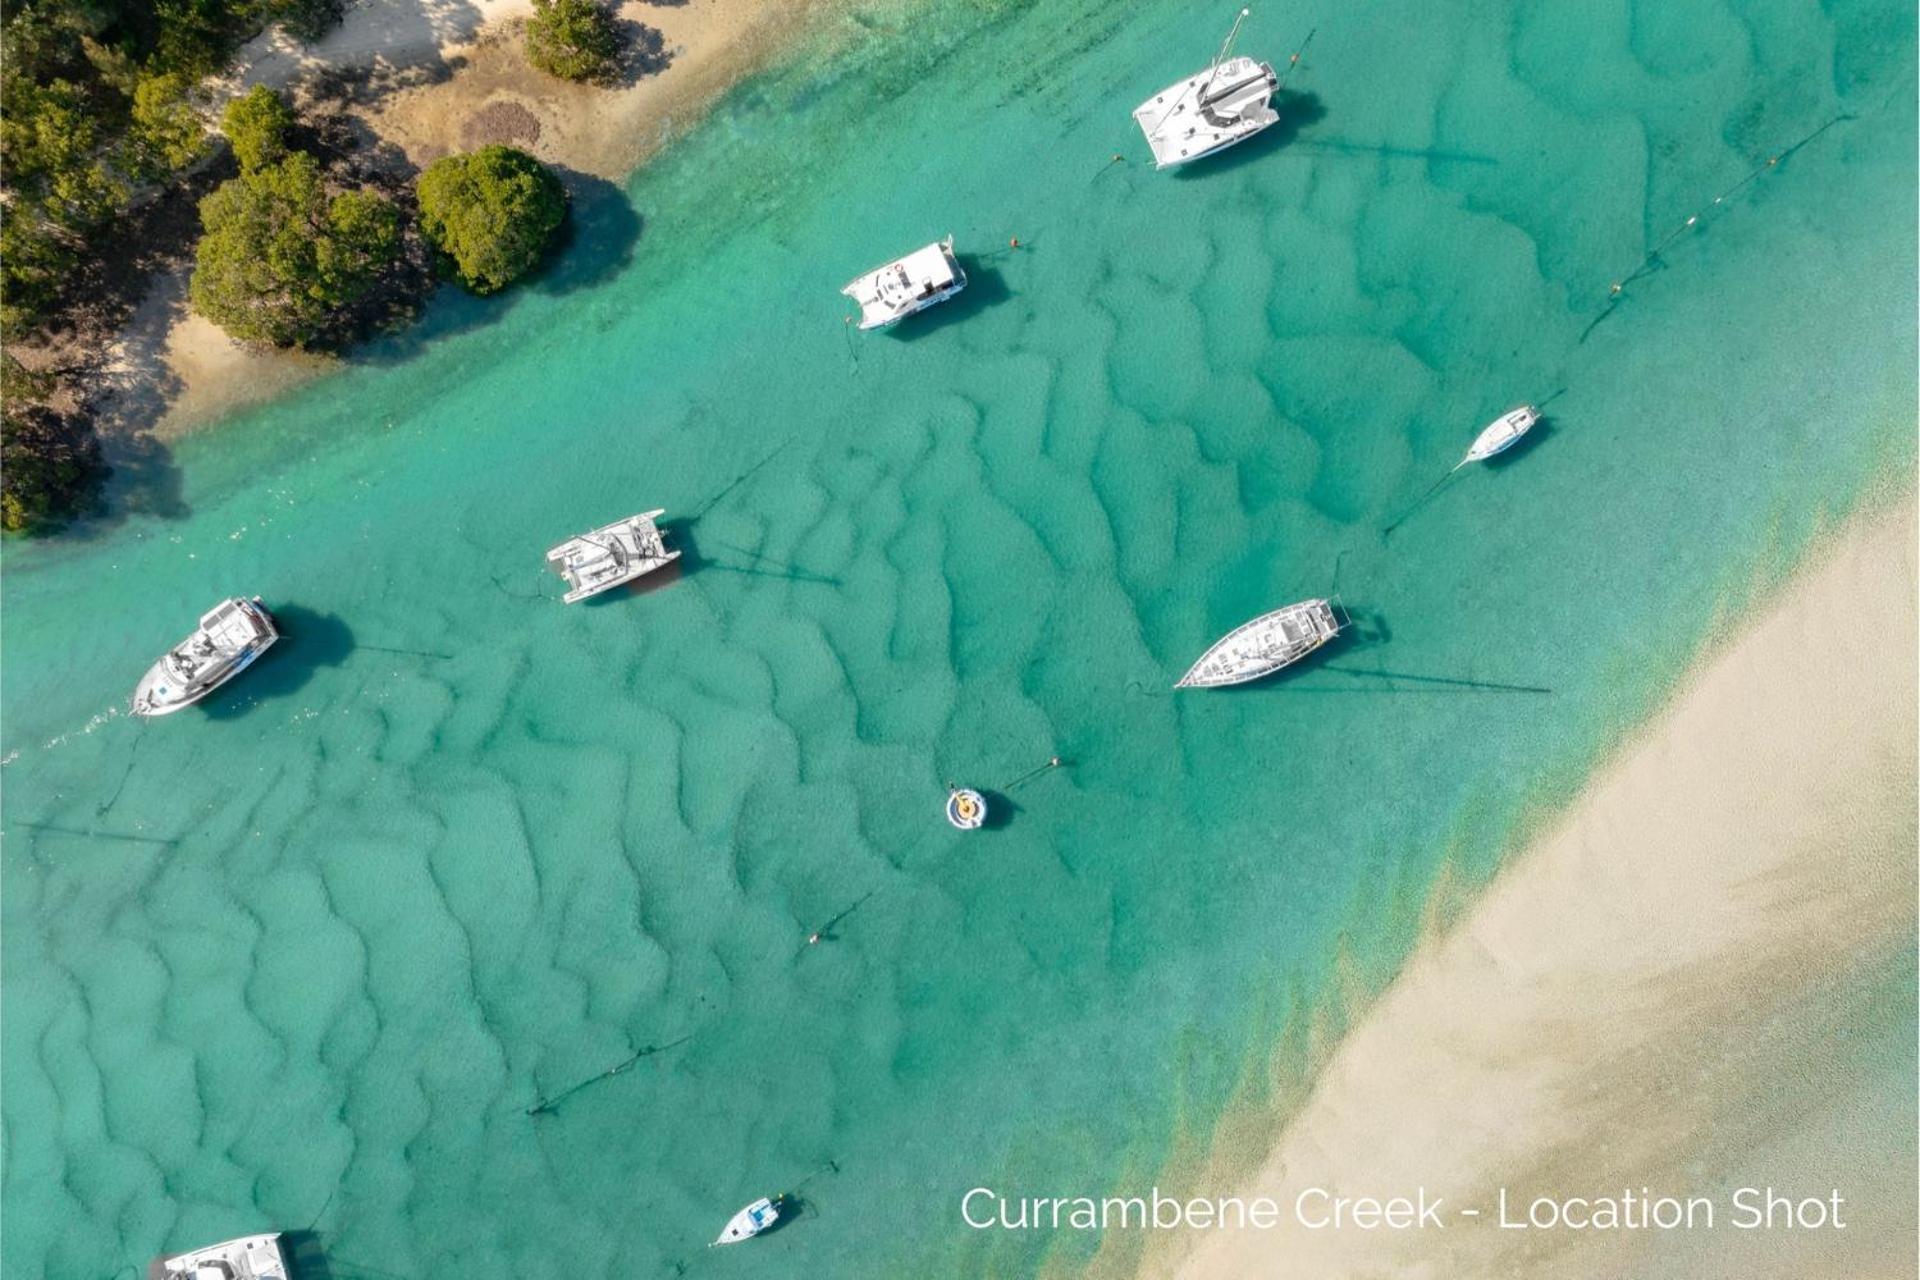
{"x": 1269, "y": 643}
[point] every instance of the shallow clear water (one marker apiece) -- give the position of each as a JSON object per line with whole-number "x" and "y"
{"x": 309, "y": 954}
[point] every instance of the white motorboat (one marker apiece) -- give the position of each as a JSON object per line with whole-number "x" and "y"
{"x": 248, "y": 1258}
{"x": 1264, "y": 645}
{"x": 610, "y": 555}
{"x": 1211, "y": 110}
{"x": 1501, "y": 434}
{"x": 892, "y": 293}
{"x": 230, "y": 636}
{"x": 751, "y": 1221}
{"x": 966, "y": 808}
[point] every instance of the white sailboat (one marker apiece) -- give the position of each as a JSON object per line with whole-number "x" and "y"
{"x": 891, "y": 293}
{"x": 1501, "y": 434}
{"x": 1211, "y": 110}
{"x": 750, "y": 1221}
{"x": 1264, "y": 645}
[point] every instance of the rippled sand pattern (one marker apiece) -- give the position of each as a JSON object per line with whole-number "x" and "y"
{"x": 307, "y": 957}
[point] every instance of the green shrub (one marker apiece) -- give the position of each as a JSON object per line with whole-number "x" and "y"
{"x": 491, "y": 214}
{"x": 167, "y": 133}
{"x": 279, "y": 257}
{"x": 256, "y": 123}
{"x": 50, "y": 468}
{"x": 573, "y": 39}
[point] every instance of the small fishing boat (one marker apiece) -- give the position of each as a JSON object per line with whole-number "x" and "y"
{"x": 248, "y": 1258}
{"x": 966, "y": 808}
{"x": 891, "y": 293}
{"x": 751, "y": 1221}
{"x": 230, "y": 636}
{"x": 610, "y": 555}
{"x": 1501, "y": 434}
{"x": 1211, "y": 110}
{"x": 1264, "y": 645}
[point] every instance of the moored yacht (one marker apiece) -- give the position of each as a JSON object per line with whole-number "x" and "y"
{"x": 1501, "y": 434}
{"x": 248, "y": 1258}
{"x": 1210, "y": 111}
{"x": 891, "y": 293}
{"x": 230, "y": 636}
{"x": 1264, "y": 645}
{"x": 610, "y": 555}
{"x": 750, "y": 1221}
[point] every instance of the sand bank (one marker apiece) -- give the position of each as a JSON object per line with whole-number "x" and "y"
{"x": 1671, "y": 989}
{"x": 430, "y": 77}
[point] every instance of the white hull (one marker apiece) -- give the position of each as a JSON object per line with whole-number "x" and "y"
{"x": 966, "y": 808}
{"x": 248, "y": 1258}
{"x": 907, "y": 286}
{"x": 1263, "y": 646}
{"x": 1501, "y": 434}
{"x": 611, "y": 556}
{"x": 1208, "y": 112}
{"x": 750, "y": 1221}
{"x": 231, "y": 637}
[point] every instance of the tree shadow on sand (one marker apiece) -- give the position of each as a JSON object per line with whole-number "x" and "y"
{"x": 643, "y": 52}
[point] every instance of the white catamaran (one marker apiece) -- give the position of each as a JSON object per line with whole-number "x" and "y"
{"x": 1209, "y": 111}
{"x": 230, "y": 636}
{"x": 610, "y": 555}
{"x": 892, "y": 293}
{"x": 248, "y": 1258}
{"x": 1264, "y": 645}
{"x": 1501, "y": 434}
{"x": 750, "y": 1221}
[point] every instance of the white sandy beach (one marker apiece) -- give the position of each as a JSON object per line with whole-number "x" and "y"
{"x": 1666, "y": 990}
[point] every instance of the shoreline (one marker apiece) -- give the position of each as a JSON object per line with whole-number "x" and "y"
{"x": 1653, "y": 993}
{"x": 432, "y": 81}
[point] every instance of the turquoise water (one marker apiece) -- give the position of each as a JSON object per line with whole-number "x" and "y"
{"x": 307, "y": 956}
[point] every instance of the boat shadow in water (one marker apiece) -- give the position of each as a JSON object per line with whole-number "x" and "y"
{"x": 1001, "y": 809}
{"x": 306, "y": 1260}
{"x": 679, "y": 536}
{"x": 308, "y": 641}
{"x": 986, "y": 287}
{"x": 1297, "y": 110}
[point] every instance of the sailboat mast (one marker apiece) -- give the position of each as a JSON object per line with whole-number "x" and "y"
{"x": 1226, "y": 47}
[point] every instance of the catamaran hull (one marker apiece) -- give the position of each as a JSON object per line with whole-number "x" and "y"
{"x": 933, "y": 300}
{"x": 1180, "y": 129}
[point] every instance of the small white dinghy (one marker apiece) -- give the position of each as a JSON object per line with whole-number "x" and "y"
{"x": 966, "y": 808}
{"x": 1501, "y": 434}
{"x": 751, "y": 1221}
{"x": 1264, "y": 645}
{"x": 891, "y": 293}
{"x": 1211, "y": 110}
